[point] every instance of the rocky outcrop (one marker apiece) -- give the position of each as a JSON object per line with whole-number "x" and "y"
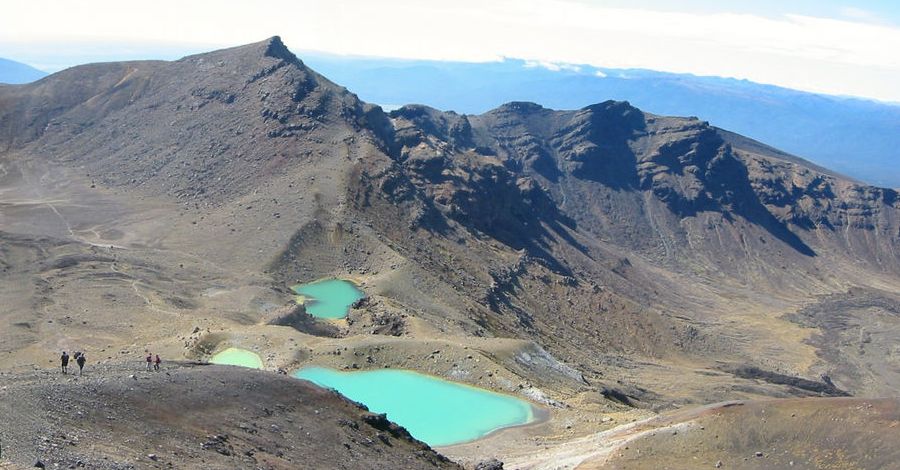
{"x": 295, "y": 316}
{"x": 442, "y": 160}
{"x": 611, "y": 169}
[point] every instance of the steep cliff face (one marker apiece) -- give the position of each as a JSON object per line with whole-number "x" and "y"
{"x": 842, "y": 215}
{"x": 666, "y": 187}
{"x": 470, "y": 184}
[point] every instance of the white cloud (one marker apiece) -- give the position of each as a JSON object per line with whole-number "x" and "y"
{"x": 852, "y": 56}
{"x": 552, "y": 66}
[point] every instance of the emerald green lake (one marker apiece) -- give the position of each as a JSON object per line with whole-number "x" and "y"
{"x": 237, "y": 357}
{"x": 435, "y": 411}
{"x": 330, "y": 298}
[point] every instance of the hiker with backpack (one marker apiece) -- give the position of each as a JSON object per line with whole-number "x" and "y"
{"x": 64, "y": 359}
{"x": 80, "y": 359}
{"x": 149, "y": 361}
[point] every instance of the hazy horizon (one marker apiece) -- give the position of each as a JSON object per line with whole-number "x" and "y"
{"x": 830, "y": 47}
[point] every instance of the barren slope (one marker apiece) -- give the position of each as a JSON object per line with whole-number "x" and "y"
{"x": 813, "y": 433}
{"x": 194, "y": 417}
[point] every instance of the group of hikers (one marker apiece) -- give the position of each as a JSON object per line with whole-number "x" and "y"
{"x": 152, "y": 362}
{"x": 79, "y": 359}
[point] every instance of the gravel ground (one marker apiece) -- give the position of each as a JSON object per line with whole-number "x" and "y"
{"x": 190, "y": 416}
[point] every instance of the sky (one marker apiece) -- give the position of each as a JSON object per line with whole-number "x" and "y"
{"x": 826, "y": 46}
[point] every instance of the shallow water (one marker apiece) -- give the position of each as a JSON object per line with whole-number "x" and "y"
{"x": 330, "y": 298}
{"x": 237, "y": 357}
{"x": 435, "y": 411}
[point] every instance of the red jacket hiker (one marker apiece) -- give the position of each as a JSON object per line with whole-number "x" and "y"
{"x": 149, "y": 360}
{"x": 156, "y": 363}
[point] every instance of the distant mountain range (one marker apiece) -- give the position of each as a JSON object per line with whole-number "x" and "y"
{"x": 17, "y": 72}
{"x": 857, "y": 137}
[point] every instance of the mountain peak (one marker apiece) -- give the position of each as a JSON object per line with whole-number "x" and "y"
{"x": 272, "y": 47}
{"x": 276, "y": 48}
{"x": 518, "y": 107}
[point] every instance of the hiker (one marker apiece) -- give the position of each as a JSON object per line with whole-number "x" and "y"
{"x": 80, "y": 359}
{"x": 64, "y": 359}
{"x": 156, "y": 363}
{"x": 149, "y": 360}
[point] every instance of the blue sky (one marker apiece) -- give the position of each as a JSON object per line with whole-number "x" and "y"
{"x": 828, "y": 46}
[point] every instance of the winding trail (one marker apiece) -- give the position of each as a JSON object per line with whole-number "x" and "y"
{"x": 591, "y": 452}
{"x": 146, "y": 299}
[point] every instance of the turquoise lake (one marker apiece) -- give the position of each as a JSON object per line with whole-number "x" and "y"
{"x": 237, "y": 357}
{"x": 435, "y": 411}
{"x": 330, "y": 298}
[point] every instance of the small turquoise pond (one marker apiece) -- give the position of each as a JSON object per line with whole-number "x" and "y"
{"x": 434, "y": 411}
{"x": 237, "y": 357}
{"x": 330, "y": 298}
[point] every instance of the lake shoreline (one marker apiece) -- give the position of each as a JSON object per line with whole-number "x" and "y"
{"x": 468, "y": 414}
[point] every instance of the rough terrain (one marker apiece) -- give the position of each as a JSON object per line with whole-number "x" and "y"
{"x": 811, "y": 433}
{"x": 605, "y": 263}
{"x": 118, "y": 416}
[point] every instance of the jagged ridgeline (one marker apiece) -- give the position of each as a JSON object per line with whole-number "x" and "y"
{"x": 643, "y": 261}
